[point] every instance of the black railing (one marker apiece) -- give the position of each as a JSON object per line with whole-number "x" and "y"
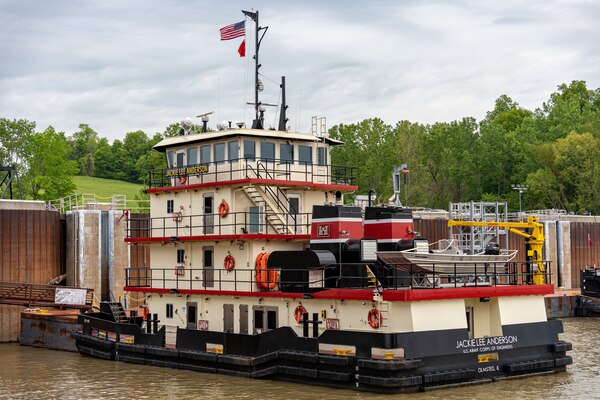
{"x": 240, "y": 168}
{"x": 375, "y": 277}
{"x": 235, "y": 223}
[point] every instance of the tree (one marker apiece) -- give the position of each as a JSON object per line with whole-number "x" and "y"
{"x": 104, "y": 160}
{"x": 151, "y": 160}
{"x": 135, "y": 145}
{"x": 83, "y": 146}
{"x": 15, "y": 137}
{"x": 50, "y": 174}
{"x": 449, "y": 158}
{"x": 568, "y": 178}
{"x": 504, "y": 147}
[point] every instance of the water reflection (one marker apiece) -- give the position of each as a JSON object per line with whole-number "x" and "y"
{"x": 27, "y": 372}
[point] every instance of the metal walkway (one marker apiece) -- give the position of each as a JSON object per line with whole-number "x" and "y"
{"x": 27, "y": 294}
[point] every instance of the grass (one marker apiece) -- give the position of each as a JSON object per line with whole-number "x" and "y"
{"x": 104, "y": 189}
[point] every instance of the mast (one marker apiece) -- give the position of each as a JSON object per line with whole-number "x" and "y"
{"x": 257, "y": 123}
{"x": 282, "y": 114}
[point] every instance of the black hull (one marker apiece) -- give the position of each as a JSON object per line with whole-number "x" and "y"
{"x": 280, "y": 354}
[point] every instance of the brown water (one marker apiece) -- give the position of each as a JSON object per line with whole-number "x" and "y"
{"x": 30, "y": 373}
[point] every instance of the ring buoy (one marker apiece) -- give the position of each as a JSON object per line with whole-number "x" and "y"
{"x": 145, "y": 311}
{"x": 182, "y": 179}
{"x": 299, "y": 313}
{"x": 409, "y": 230}
{"x": 229, "y": 263}
{"x": 223, "y": 209}
{"x": 374, "y": 318}
{"x": 265, "y": 278}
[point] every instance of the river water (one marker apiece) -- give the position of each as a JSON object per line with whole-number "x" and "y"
{"x": 31, "y": 373}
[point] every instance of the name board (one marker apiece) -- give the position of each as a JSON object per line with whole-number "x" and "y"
{"x": 195, "y": 170}
{"x": 485, "y": 344}
{"x": 70, "y": 296}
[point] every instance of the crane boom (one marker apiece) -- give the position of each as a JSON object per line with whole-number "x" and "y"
{"x": 533, "y": 232}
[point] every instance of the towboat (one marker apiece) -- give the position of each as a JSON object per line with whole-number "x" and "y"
{"x": 257, "y": 269}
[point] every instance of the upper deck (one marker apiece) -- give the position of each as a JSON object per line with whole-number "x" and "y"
{"x": 243, "y": 156}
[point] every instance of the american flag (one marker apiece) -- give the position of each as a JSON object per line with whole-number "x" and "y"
{"x": 234, "y": 30}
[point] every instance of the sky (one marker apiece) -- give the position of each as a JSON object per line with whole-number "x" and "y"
{"x": 121, "y": 66}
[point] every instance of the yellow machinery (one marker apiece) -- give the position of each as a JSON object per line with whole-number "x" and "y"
{"x": 533, "y": 232}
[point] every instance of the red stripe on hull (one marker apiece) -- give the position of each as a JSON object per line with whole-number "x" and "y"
{"x": 273, "y": 182}
{"x": 367, "y": 295}
{"x": 466, "y": 292}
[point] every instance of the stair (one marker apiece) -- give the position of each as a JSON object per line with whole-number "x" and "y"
{"x": 116, "y": 309}
{"x": 274, "y": 219}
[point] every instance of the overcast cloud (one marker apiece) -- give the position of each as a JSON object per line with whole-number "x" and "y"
{"x": 120, "y": 66}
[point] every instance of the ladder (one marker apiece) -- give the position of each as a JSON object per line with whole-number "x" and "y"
{"x": 116, "y": 309}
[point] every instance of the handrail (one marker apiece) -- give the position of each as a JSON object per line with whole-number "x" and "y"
{"x": 388, "y": 277}
{"x": 236, "y": 169}
{"x": 177, "y": 225}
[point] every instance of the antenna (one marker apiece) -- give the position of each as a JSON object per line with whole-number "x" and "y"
{"x": 282, "y": 115}
{"x": 205, "y": 120}
{"x": 262, "y": 107}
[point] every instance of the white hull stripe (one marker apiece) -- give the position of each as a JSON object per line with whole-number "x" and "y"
{"x": 319, "y": 220}
{"x": 388, "y": 221}
{"x": 329, "y": 240}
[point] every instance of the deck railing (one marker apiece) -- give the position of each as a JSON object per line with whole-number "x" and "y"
{"x": 351, "y": 276}
{"x": 235, "y": 223}
{"x": 243, "y": 168}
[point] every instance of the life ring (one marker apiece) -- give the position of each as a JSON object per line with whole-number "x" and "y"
{"x": 223, "y": 209}
{"x": 145, "y": 313}
{"x": 182, "y": 179}
{"x": 299, "y": 313}
{"x": 374, "y": 318}
{"x": 409, "y": 230}
{"x": 229, "y": 263}
{"x": 265, "y": 278}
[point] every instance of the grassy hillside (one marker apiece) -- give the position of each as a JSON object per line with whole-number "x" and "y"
{"x": 104, "y": 189}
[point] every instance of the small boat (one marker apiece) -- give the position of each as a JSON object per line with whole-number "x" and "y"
{"x": 444, "y": 257}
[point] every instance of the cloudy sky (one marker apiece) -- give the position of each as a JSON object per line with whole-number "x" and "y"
{"x": 121, "y": 65}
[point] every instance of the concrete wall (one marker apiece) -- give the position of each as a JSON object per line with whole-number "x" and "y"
{"x": 97, "y": 254}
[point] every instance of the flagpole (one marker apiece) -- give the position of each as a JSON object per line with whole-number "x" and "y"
{"x": 254, "y": 15}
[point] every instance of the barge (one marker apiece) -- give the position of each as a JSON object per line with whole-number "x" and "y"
{"x": 259, "y": 270}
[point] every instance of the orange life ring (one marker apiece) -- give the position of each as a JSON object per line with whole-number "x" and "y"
{"x": 374, "y": 318}
{"x": 265, "y": 278}
{"x": 145, "y": 313}
{"x": 182, "y": 179}
{"x": 409, "y": 229}
{"x": 229, "y": 263}
{"x": 223, "y": 209}
{"x": 299, "y": 313}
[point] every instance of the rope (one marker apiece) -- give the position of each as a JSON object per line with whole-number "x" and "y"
{"x": 133, "y": 299}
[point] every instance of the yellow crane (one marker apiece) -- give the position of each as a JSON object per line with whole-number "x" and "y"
{"x": 533, "y": 232}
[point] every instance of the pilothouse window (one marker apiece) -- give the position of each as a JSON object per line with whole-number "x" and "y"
{"x": 192, "y": 156}
{"x": 305, "y": 155}
{"x": 233, "y": 150}
{"x": 249, "y": 150}
{"x": 219, "y": 152}
{"x": 267, "y": 151}
{"x": 286, "y": 152}
{"x": 205, "y": 154}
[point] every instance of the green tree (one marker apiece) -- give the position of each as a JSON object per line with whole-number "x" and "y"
{"x": 50, "y": 174}
{"x": 15, "y": 137}
{"x": 449, "y": 158}
{"x": 568, "y": 178}
{"x": 369, "y": 148}
{"x": 505, "y": 144}
{"x": 104, "y": 160}
{"x": 83, "y": 146}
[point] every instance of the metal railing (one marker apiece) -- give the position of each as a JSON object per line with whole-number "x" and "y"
{"x": 240, "y": 168}
{"x": 376, "y": 277}
{"x": 89, "y": 201}
{"x": 234, "y": 223}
